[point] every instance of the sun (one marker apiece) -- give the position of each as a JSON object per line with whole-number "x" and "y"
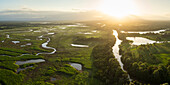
{"x": 118, "y": 8}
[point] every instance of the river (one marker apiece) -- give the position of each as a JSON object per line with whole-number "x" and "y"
{"x": 116, "y": 52}
{"x": 44, "y": 45}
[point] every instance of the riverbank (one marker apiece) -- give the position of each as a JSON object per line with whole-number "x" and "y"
{"x": 106, "y": 67}
{"x": 146, "y": 63}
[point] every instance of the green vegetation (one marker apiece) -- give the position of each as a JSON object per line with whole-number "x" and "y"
{"x": 13, "y": 50}
{"x": 107, "y": 67}
{"x": 56, "y": 63}
{"x": 23, "y": 57}
{"x": 10, "y": 78}
{"x": 10, "y": 65}
{"x": 67, "y": 69}
{"x": 147, "y": 62}
{"x": 9, "y": 53}
{"x": 85, "y": 61}
{"x": 7, "y": 62}
{"x": 26, "y": 65}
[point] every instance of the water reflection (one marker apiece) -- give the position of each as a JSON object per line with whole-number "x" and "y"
{"x": 7, "y": 36}
{"x": 51, "y": 33}
{"x": 116, "y": 52}
{"x": 143, "y": 32}
{"x": 140, "y": 40}
{"x": 44, "y": 45}
{"x": 21, "y": 69}
{"x": 76, "y": 66}
{"x": 76, "y": 45}
{"x": 116, "y": 49}
{"x": 27, "y": 39}
{"x": 88, "y": 33}
{"x": 29, "y": 61}
{"x": 15, "y": 42}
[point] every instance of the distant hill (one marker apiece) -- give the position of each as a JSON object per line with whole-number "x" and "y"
{"x": 32, "y": 15}
{"x": 29, "y": 15}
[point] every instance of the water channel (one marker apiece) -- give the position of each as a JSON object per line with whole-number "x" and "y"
{"x": 116, "y": 52}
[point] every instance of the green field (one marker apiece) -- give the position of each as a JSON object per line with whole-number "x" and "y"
{"x": 99, "y": 65}
{"x": 56, "y": 65}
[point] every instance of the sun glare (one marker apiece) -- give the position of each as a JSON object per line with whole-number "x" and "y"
{"x": 118, "y": 8}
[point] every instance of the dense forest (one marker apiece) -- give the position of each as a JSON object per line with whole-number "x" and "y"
{"x": 106, "y": 67}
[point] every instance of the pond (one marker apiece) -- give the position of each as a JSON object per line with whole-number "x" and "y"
{"x": 27, "y": 39}
{"x": 51, "y": 33}
{"x": 21, "y": 69}
{"x": 143, "y": 32}
{"x": 76, "y": 66}
{"x": 29, "y": 61}
{"x": 88, "y": 33}
{"x": 28, "y": 44}
{"x": 76, "y": 45}
{"x": 37, "y": 31}
{"x": 94, "y": 31}
{"x": 15, "y": 42}
{"x": 7, "y": 36}
{"x": 140, "y": 40}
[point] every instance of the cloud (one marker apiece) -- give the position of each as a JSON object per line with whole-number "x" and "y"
{"x": 156, "y": 17}
{"x": 26, "y": 14}
{"x": 28, "y": 9}
{"x": 167, "y": 14}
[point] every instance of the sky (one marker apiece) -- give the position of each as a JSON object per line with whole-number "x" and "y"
{"x": 49, "y": 4}
{"x": 148, "y": 9}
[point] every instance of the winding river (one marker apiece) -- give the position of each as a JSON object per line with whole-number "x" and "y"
{"x": 44, "y": 45}
{"x": 116, "y": 52}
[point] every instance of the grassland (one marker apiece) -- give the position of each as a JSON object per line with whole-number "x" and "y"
{"x": 97, "y": 60}
{"x": 57, "y": 64}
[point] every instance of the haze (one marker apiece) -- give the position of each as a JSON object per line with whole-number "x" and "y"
{"x": 35, "y": 10}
